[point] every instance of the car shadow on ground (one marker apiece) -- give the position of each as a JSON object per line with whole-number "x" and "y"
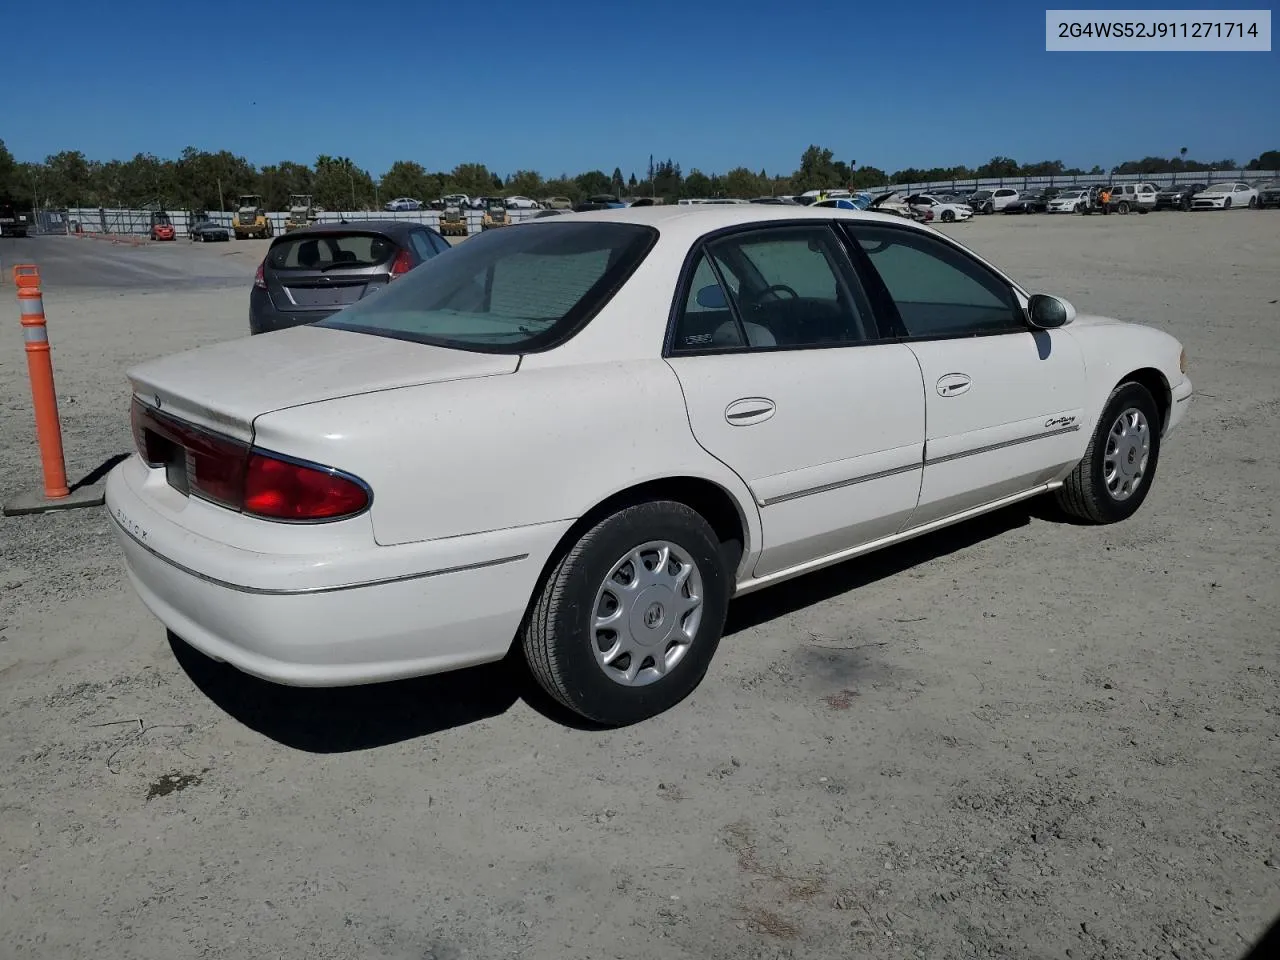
{"x": 99, "y": 473}
{"x": 344, "y": 719}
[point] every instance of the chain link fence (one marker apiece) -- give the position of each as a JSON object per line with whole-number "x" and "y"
{"x": 137, "y": 222}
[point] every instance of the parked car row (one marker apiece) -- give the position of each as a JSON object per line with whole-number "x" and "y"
{"x": 1138, "y": 197}
{"x": 401, "y": 204}
{"x": 1125, "y": 198}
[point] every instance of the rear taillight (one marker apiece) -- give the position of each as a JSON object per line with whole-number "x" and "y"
{"x": 259, "y": 280}
{"x": 280, "y": 489}
{"x": 232, "y": 474}
{"x": 402, "y": 264}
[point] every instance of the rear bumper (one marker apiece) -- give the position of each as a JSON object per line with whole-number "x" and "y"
{"x": 453, "y": 603}
{"x": 264, "y": 317}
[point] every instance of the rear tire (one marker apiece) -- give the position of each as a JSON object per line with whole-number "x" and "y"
{"x": 1112, "y": 479}
{"x": 1253, "y": 203}
{"x": 566, "y": 635}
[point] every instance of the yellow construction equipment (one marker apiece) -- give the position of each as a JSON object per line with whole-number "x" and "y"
{"x": 251, "y": 219}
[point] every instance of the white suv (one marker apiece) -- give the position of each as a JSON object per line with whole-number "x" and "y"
{"x": 1133, "y": 196}
{"x": 992, "y": 201}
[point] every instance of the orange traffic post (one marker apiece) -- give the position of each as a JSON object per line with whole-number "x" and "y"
{"x": 44, "y": 398}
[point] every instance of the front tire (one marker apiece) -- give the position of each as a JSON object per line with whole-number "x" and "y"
{"x": 626, "y": 623}
{"x": 1112, "y": 479}
{"x": 1253, "y": 203}
{"x": 948, "y": 216}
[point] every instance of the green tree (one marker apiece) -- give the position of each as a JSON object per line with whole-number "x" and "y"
{"x": 819, "y": 170}
{"x": 697, "y": 185}
{"x": 563, "y": 186}
{"x": 526, "y": 183}
{"x": 743, "y": 184}
{"x": 70, "y": 179}
{"x": 865, "y": 177}
{"x": 281, "y": 180}
{"x": 340, "y": 185}
{"x": 407, "y": 178}
{"x": 1267, "y": 160}
{"x": 9, "y": 185}
{"x": 473, "y": 179}
{"x": 616, "y": 184}
{"x": 999, "y": 167}
{"x": 212, "y": 181}
{"x": 593, "y": 182}
{"x": 667, "y": 179}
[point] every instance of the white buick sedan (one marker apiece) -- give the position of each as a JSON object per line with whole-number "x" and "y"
{"x": 586, "y": 434}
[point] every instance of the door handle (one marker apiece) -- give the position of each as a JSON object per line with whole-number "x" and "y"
{"x": 749, "y": 410}
{"x": 954, "y": 384}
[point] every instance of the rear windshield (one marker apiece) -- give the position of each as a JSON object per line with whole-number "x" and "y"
{"x": 517, "y": 290}
{"x": 327, "y": 250}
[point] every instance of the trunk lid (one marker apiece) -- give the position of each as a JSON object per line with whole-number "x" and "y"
{"x": 223, "y": 387}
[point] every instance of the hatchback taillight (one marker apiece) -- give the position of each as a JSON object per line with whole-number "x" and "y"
{"x": 402, "y": 264}
{"x": 259, "y": 280}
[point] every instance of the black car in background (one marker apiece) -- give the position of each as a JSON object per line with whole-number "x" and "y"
{"x": 201, "y": 229}
{"x": 13, "y": 223}
{"x": 1036, "y": 201}
{"x": 314, "y": 272}
{"x": 1178, "y": 196}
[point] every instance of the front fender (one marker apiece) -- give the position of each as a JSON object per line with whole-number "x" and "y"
{"x": 1114, "y": 349}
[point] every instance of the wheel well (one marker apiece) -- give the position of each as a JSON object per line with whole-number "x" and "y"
{"x": 1158, "y": 387}
{"x": 712, "y": 501}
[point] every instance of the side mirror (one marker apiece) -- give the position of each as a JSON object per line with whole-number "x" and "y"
{"x": 1049, "y": 313}
{"x": 712, "y": 297}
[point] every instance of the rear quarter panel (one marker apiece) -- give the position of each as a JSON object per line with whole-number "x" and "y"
{"x": 535, "y": 446}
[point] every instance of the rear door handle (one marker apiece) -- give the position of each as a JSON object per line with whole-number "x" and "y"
{"x": 749, "y": 410}
{"x": 954, "y": 384}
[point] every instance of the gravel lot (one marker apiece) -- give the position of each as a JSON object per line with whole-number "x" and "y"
{"x": 1018, "y": 738}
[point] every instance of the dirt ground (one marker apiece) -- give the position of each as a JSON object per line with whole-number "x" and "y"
{"x": 1015, "y": 739}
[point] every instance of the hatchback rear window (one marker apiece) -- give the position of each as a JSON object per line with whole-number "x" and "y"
{"x": 322, "y": 251}
{"x": 524, "y": 288}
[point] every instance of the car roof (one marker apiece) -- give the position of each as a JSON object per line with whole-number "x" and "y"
{"x": 397, "y": 229}
{"x": 697, "y": 219}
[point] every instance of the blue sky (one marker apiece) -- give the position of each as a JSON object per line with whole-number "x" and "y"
{"x": 575, "y": 85}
